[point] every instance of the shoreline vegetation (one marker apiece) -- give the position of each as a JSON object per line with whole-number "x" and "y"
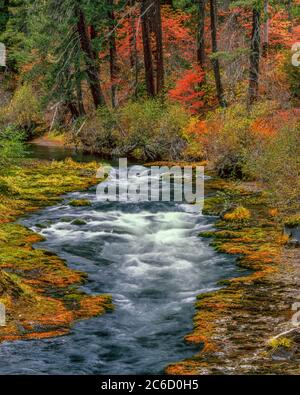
{"x": 246, "y": 326}
{"x": 41, "y": 293}
{"x": 235, "y": 326}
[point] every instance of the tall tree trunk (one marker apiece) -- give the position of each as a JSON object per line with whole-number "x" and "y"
{"x": 79, "y": 94}
{"x": 201, "y": 34}
{"x": 133, "y": 46}
{"x": 73, "y": 110}
{"x": 254, "y": 58}
{"x": 146, "y": 33}
{"x": 153, "y": 46}
{"x": 265, "y": 46}
{"x": 70, "y": 90}
{"x": 215, "y": 61}
{"x": 93, "y": 36}
{"x": 113, "y": 54}
{"x": 160, "y": 73}
{"x": 91, "y": 62}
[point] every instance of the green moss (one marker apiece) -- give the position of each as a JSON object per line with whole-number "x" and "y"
{"x": 78, "y": 222}
{"x": 293, "y": 221}
{"x": 207, "y": 235}
{"x": 205, "y": 295}
{"x": 42, "y": 226}
{"x": 38, "y": 289}
{"x": 66, "y": 219}
{"x": 80, "y": 203}
{"x": 212, "y": 206}
{"x": 280, "y": 342}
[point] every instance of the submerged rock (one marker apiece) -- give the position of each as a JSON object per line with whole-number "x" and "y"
{"x": 293, "y": 232}
{"x": 79, "y": 222}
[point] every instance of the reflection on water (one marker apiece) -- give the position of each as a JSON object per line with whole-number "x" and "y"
{"x": 58, "y": 153}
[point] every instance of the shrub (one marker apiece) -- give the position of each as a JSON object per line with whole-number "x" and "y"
{"x": 11, "y": 146}
{"x": 187, "y": 90}
{"x": 279, "y": 166}
{"x": 227, "y": 135}
{"x": 23, "y": 112}
{"x": 145, "y": 130}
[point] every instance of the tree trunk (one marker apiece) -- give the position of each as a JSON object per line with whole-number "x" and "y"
{"x": 201, "y": 34}
{"x": 265, "y": 46}
{"x": 254, "y": 58}
{"x": 73, "y": 110}
{"x": 160, "y": 74}
{"x": 133, "y": 46}
{"x": 113, "y": 54}
{"x": 91, "y": 62}
{"x": 79, "y": 94}
{"x": 93, "y": 36}
{"x": 146, "y": 33}
{"x": 215, "y": 61}
{"x": 153, "y": 46}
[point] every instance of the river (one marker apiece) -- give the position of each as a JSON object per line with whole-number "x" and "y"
{"x": 149, "y": 257}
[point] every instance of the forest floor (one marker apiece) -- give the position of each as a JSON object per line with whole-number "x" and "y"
{"x": 41, "y": 294}
{"x": 236, "y": 326}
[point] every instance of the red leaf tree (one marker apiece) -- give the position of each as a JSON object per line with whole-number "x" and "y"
{"x": 188, "y": 90}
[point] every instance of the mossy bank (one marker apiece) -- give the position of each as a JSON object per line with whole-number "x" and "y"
{"x": 235, "y": 326}
{"x": 40, "y": 292}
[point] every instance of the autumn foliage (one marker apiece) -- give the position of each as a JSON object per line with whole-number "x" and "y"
{"x": 188, "y": 90}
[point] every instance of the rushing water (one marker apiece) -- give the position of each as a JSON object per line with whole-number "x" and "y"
{"x": 149, "y": 257}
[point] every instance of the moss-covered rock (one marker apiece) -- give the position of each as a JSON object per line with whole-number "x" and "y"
{"x": 79, "y": 222}
{"x": 80, "y": 203}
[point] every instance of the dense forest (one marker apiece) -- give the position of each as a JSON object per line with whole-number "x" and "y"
{"x": 211, "y": 82}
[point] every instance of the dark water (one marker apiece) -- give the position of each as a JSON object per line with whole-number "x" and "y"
{"x": 150, "y": 258}
{"x": 58, "y": 153}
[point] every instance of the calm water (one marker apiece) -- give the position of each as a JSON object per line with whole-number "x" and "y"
{"x": 150, "y": 258}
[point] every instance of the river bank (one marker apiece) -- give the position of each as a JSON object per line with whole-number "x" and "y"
{"x": 246, "y": 327}
{"x": 153, "y": 280}
{"x": 41, "y": 294}
{"x": 234, "y": 326}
